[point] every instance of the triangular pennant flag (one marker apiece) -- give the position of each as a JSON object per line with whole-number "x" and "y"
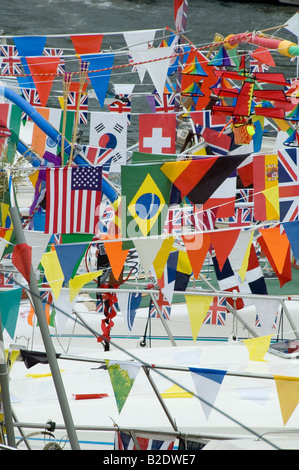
{"x": 288, "y": 395}
{"x": 199, "y": 179}
{"x": 21, "y": 259}
{"x": 138, "y": 41}
{"x": 223, "y": 242}
{"x": 147, "y": 250}
{"x": 116, "y": 255}
{"x": 237, "y": 254}
{"x": 99, "y": 71}
{"x": 68, "y": 256}
{"x": 207, "y": 383}
{"x": 128, "y": 304}
{"x": 63, "y": 308}
{"x": 198, "y": 307}
{"x": 43, "y": 70}
{"x": 122, "y": 376}
{"x": 266, "y": 310}
{"x": 242, "y": 271}
{"x": 157, "y": 68}
{"x": 197, "y": 246}
{"x": 168, "y": 279}
{"x": 257, "y": 347}
{"x": 76, "y": 284}
{"x": 263, "y": 55}
{"x": 28, "y": 46}
{"x": 53, "y": 271}
{"x": 162, "y": 256}
{"x": 176, "y": 392}
{"x": 276, "y": 247}
{"x": 292, "y": 230}
{"x": 38, "y": 242}
{"x": 87, "y": 43}
{"x": 9, "y": 308}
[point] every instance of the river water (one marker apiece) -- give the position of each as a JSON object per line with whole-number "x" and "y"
{"x": 205, "y": 18}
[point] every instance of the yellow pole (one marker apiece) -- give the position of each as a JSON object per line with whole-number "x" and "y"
{"x": 82, "y": 79}
{"x": 67, "y": 79}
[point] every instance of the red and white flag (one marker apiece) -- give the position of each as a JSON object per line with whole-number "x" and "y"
{"x": 73, "y": 199}
{"x": 157, "y": 133}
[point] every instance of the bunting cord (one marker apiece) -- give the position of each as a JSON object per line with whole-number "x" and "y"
{"x": 158, "y": 371}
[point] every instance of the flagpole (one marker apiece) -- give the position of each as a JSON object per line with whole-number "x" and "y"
{"x": 5, "y": 396}
{"x": 67, "y": 79}
{"x": 82, "y": 79}
{"x": 180, "y": 64}
{"x": 44, "y": 329}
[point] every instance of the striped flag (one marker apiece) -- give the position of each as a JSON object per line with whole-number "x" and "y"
{"x": 73, "y": 199}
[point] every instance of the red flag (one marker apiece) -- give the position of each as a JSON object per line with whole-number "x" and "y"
{"x": 21, "y": 259}
{"x": 157, "y": 133}
{"x": 43, "y": 70}
{"x": 87, "y": 44}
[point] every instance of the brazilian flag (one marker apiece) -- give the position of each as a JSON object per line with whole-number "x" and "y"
{"x": 145, "y": 199}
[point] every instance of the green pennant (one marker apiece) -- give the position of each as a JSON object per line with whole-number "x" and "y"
{"x": 9, "y": 308}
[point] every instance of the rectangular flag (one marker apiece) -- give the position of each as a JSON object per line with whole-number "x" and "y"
{"x": 124, "y": 441}
{"x": 73, "y": 199}
{"x": 288, "y": 176}
{"x": 265, "y": 182}
{"x": 108, "y": 132}
{"x": 157, "y": 133}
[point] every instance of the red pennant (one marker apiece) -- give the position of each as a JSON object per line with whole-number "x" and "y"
{"x": 21, "y": 259}
{"x": 87, "y": 44}
{"x": 43, "y": 70}
{"x": 223, "y": 243}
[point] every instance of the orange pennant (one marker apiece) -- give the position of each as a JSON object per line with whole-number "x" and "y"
{"x": 43, "y": 70}
{"x": 197, "y": 246}
{"x": 116, "y": 255}
{"x": 276, "y": 247}
{"x": 223, "y": 243}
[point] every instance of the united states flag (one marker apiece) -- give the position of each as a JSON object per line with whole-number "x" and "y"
{"x": 73, "y": 199}
{"x": 288, "y": 177}
{"x": 217, "y": 312}
{"x": 124, "y": 441}
{"x": 10, "y": 60}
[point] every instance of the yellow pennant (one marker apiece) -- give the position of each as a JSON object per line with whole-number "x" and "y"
{"x": 53, "y": 271}
{"x": 288, "y": 395}
{"x": 76, "y": 284}
{"x": 257, "y": 347}
{"x": 198, "y": 307}
{"x": 162, "y": 256}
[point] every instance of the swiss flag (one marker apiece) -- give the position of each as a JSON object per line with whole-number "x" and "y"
{"x": 157, "y": 133}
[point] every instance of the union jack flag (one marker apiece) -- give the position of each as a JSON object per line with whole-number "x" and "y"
{"x": 54, "y": 52}
{"x": 10, "y": 60}
{"x": 243, "y": 217}
{"x": 7, "y": 280}
{"x": 217, "y": 312}
{"x": 166, "y": 103}
{"x": 98, "y": 157}
{"x": 32, "y": 97}
{"x": 288, "y": 177}
{"x": 257, "y": 66}
{"x": 163, "y": 304}
{"x": 258, "y": 324}
{"x": 72, "y": 101}
{"x": 124, "y": 441}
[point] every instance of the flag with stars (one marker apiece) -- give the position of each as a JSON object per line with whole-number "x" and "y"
{"x": 73, "y": 199}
